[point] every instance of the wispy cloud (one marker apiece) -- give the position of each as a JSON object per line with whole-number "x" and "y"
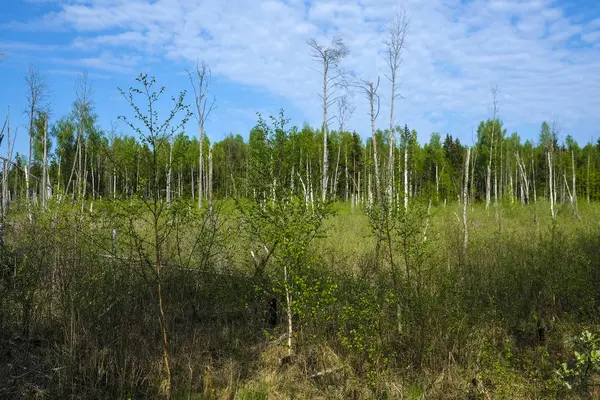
{"x": 544, "y": 61}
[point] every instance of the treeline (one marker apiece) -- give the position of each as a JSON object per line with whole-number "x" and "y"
{"x": 86, "y": 162}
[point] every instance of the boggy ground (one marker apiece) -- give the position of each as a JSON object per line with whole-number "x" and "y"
{"x": 78, "y": 313}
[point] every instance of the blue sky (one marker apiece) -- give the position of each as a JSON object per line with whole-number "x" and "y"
{"x": 543, "y": 55}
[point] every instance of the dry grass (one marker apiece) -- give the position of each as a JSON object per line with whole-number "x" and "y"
{"x": 93, "y": 331}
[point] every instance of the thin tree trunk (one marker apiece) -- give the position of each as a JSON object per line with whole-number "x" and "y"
{"x": 406, "y": 175}
{"x": 288, "y": 301}
{"x": 437, "y": 184}
{"x": 588, "y": 180}
{"x": 551, "y": 183}
{"x": 465, "y": 195}
{"x": 372, "y": 95}
{"x": 84, "y": 180}
{"x": 337, "y": 164}
{"x": 346, "y": 174}
{"x": 200, "y": 167}
{"x": 574, "y": 198}
{"x": 210, "y": 179}
{"x": 325, "y": 156}
{"x": 533, "y": 181}
{"x": 169, "y": 174}
{"x": 45, "y": 163}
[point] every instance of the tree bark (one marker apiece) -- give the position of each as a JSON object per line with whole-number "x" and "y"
{"x": 551, "y": 184}
{"x": 465, "y": 198}
{"x": 574, "y": 196}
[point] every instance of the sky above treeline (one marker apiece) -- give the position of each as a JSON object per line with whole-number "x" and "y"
{"x": 543, "y": 55}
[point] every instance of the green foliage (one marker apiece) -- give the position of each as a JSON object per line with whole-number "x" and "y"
{"x": 586, "y": 361}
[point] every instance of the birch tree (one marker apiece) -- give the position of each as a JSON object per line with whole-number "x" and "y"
{"x": 369, "y": 89}
{"x": 465, "y": 201}
{"x": 37, "y": 94}
{"x": 155, "y": 132}
{"x": 5, "y": 169}
{"x": 344, "y": 113}
{"x": 574, "y": 195}
{"x": 83, "y": 111}
{"x": 203, "y": 106}
{"x": 394, "y": 42}
{"x": 488, "y": 178}
{"x": 4, "y": 191}
{"x": 330, "y": 58}
{"x": 44, "y": 191}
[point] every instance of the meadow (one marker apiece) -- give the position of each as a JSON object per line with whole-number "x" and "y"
{"x": 513, "y": 316}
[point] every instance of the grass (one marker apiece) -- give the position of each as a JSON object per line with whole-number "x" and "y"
{"x": 470, "y": 320}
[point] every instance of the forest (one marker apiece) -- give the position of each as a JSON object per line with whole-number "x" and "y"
{"x": 147, "y": 261}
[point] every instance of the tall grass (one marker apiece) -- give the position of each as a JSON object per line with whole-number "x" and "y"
{"x": 77, "y": 314}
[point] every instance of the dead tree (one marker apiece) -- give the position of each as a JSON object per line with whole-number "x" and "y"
{"x": 488, "y": 178}
{"x": 369, "y": 89}
{"x": 83, "y": 112}
{"x": 200, "y": 80}
{"x": 329, "y": 57}
{"x": 574, "y": 194}
{"x": 522, "y": 170}
{"x": 394, "y": 41}
{"x": 344, "y": 113}
{"x": 465, "y": 200}
{"x": 45, "y": 164}
{"x": 37, "y": 93}
{"x": 7, "y": 163}
{"x": 551, "y": 181}
{"x": 4, "y": 191}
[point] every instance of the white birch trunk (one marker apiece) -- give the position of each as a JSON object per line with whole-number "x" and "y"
{"x": 551, "y": 184}
{"x": 465, "y": 201}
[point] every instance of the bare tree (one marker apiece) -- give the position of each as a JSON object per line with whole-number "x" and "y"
{"x": 369, "y": 89}
{"x": 44, "y": 192}
{"x": 406, "y": 136}
{"x": 574, "y": 195}
{"x": 488, "y": 178}
{"x": 554, "y": 132}
{"x": 4, "y": 203}
{"x": 330, "y": 57}
{"x": 344, "y": 113}
{"x": 200, "y": 80}
{"x": 37, "y": 96}
{"x": 394, "y": 41}
{"x": 83, "y": 111}
{"x": 465, "y": 200}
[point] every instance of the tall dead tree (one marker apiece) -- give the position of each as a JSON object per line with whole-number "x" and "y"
{"x": 394, "y": 42}
{"x": 551, "y": 183}
{"x": 488, "y": 178}
{"x": 83, "y": 112}
{"x": 406, "y": 139}
{"x": 369, "y": 89}
{"x": 344, "y": 113}
{"x": 554, "y": 131}
{"x": 574, "y": 195}
{"x": 44, "y": 191}
{"x": 37, "y": 93}
{"x": 4, "y": 182}
{"x": 329, "y": 57}
{"x": 204, "y": 105}
{"x": 465, "y": 200}
{"x": 6, "y": 165}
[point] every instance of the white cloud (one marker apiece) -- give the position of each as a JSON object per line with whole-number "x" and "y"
{"x": 455, "y": 51}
